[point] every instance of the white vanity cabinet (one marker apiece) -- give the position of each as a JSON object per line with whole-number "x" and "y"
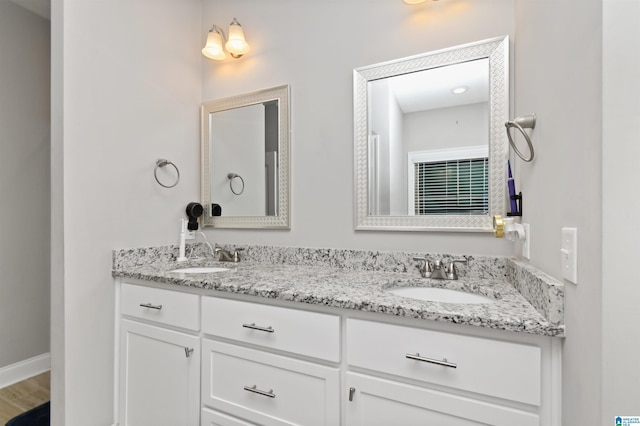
{"x": 159, "y": 382}
{"x": 462, "y": 380}
{"x": 246, "y": 380}
{"x": 188, "y": 359}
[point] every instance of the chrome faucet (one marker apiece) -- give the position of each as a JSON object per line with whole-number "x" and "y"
{"x": 226, "y": 255}
{"x": 437, "y": 269}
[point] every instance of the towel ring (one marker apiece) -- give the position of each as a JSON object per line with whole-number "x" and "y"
{"x": 231, "y": 177}
{"x": 521, "y": 123}
{"x": 161, "y": 163}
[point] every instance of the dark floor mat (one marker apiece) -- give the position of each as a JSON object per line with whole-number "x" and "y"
{"x": 38, "y": 416}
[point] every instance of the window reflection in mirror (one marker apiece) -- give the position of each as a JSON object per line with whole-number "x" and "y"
{"x": 429, "y": 141}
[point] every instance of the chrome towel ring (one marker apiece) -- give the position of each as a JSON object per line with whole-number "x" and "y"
{"x": 521, "y": 123}
{"x": 161, "y": 163}
{"x": 231, "y": 177}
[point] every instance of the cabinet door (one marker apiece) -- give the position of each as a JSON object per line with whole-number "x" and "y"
{"x": 159, "y": 376}
{"x": 382, "y": 402}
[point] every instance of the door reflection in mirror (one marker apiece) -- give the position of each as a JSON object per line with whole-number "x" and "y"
{"x": 244, "y": 141}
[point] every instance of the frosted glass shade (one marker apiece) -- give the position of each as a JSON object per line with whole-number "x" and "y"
{"x": 213, "y": 49}
{"x": 236, "y": 45}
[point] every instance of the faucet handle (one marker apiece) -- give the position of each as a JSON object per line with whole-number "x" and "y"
{"x": 426, "y": 268}
{"x": 236, "y": 254}
{"x": 452, "y": 273}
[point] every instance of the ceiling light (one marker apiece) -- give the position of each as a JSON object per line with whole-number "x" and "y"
{"x": 415, "y": 1}
{"x": 458, "y": 90}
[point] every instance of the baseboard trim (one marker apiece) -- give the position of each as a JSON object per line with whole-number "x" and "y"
{"x": 23, "y": 370}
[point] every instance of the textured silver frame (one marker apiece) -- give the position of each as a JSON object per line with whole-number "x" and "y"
{"x": 282, "y": 219}
{"x": 497, "y": 51}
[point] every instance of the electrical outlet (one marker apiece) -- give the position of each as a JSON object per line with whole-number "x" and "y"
{"x": 569, "y": 254}
{"x": 526, "y": 243}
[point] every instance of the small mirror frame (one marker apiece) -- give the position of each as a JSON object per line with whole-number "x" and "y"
{"x": 282, "y": 219}
{"x": 497, "y": 51}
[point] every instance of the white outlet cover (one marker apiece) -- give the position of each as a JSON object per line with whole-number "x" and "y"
{"x": 569, "y": 254}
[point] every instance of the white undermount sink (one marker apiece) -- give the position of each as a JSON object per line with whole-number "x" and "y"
{"x": 444, "y": 295}
{"x": 199, "y": 270}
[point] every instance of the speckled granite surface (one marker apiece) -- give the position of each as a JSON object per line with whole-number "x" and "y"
{"x": 352, "y": 279}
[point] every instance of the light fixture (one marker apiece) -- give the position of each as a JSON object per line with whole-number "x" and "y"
{"x": 459, "y": 90}
{"x": 415, "y": 1}
{"x": 236, "y": 45}
{"x": 213, "y": 48}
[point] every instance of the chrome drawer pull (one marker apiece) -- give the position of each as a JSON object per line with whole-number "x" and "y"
{"x": 150, "y": 306}
{"x": 444, "y": 361}
{"x": 253, "y": 389}
{"x": 253, "y": 326}
{"x": 188, "y": 352}
{"x": 351, "y": 392}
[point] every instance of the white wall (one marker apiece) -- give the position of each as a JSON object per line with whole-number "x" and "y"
{"x": 24, "y": 184}
{"x": 126, "y": 92}
{"x": 621, "y": 228}
{"x": 450, "y": 127}
{"x": 558, "y": 76}
{"x": 314, "y": 47}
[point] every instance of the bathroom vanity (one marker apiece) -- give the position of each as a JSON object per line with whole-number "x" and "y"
{"x": 287, "y": 343}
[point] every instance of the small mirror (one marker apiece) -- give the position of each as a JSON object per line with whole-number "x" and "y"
{"x": 430, "y": 151}
{"x": 245, "y": 160}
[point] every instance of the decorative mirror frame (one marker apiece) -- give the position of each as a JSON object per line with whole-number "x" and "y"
{"x": 282, "y": 219}
{"x": 497, "y": 51}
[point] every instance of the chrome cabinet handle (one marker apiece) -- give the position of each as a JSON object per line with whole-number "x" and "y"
{"x": 254, "y": 389}
{"x": 444, "y": 361}
{"x": 351, "y": 392}
{"x": 150, "y": 306}
{"x": 188, "y": 352}
{"x": 253, "y": 326}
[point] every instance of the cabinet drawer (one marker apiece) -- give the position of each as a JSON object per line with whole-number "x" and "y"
{"x": 490, "y": 367}
{"x": 162, "y": 306}
{"x": 213, "y": 418}
{"x": 268, "y": 389}
{"x": 306, "y": 333}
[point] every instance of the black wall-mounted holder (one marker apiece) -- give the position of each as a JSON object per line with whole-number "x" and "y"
{"x": 194, "y": 211}
{"x": 216, "y": 209}
{"x": 518, "y": 199}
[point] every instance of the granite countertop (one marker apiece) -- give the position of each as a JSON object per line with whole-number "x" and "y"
{"x": 361, "y": 290}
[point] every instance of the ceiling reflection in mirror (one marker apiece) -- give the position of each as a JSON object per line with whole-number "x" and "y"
{"x": 245, "y": 153}
{"x": 429, "y": 140}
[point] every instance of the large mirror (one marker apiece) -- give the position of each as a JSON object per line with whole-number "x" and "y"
{"x": 429, "y": 139}
{"x": 245, "y": 160}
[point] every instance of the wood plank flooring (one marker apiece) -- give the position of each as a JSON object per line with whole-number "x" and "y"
{"x": 23, "y": 396}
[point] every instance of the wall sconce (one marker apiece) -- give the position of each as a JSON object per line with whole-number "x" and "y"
{"x": 236, "y": 44}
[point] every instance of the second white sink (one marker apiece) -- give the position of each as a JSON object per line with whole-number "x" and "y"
{"x": 200, "y": 270}
{"x": 444, "y": 295}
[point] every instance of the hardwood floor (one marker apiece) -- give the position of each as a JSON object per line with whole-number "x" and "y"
{"x": 23, "y": 396}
